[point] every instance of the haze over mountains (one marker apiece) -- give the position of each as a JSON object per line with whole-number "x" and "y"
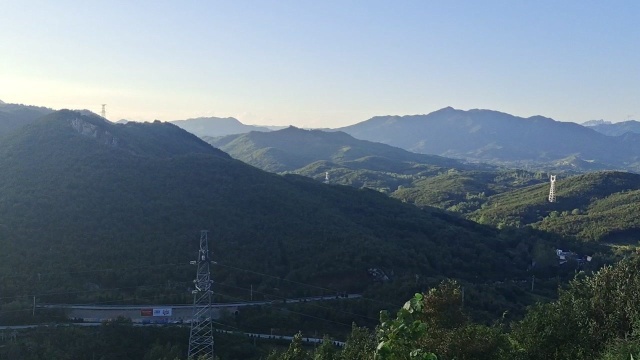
{"x": 292, "y": 148}
{"x": 420, "y": 179}
{"x": 13, "y": 116}
{"x": 215, "y": 126}
{"x": 489, "y": 136}
{"x": 614, "y": 129}
{"x": 485, "y": 135}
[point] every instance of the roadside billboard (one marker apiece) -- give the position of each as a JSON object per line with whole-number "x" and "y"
{"x": 162, "y": 312}
{"x": 156, "y": 312}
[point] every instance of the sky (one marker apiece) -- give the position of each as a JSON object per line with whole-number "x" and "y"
{"x": 326, "y": 63}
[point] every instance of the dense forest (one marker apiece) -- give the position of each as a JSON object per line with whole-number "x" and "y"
{"x": 599, "y": 206}
{"x": 99, "y": 213}
{"x": 420, "y": 179}
{"x": 595, "y": 316}
{"x": 596, "y": 206}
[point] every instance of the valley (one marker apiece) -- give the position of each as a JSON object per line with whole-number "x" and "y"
{"x": 104, "y": 215}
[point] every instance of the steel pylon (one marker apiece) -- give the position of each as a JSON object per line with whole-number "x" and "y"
{"x": 201, "y": 335}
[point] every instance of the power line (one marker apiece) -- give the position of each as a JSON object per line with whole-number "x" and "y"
{"x": 90, "y": 291}
{"x": 303, "y": 284}
{"x": 310, "y": 303}
{"x": 111, "y": 269}
{"x": 294, "y": 312}
{"x": 48, "y": 274}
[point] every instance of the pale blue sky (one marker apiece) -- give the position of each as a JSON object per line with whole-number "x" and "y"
{"x": 323, "y": 63}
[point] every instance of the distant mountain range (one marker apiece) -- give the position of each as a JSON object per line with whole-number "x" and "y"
{"x": 293, "y": 148}
{"x": 215, "y": 126}
{"x": 491, "y": 136}
{"x": 475, "y": 135}
{"x": 614, "y": 129}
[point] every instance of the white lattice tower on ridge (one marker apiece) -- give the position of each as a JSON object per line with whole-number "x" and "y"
{"x": 552, "y": 190}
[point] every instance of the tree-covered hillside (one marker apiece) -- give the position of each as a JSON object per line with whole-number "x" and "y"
{"x": 465, "y": 191}
{"x": 291, "y": 149}
{"x": 594, "y": 206}
{"x": 595, "y": 317}
{"x": 423, "y": 180}
{"x": 14, "y": 116}
{"x": 94, "y": 210}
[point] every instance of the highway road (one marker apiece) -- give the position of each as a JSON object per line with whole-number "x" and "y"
{"x": 178, "y": 312}
{"x": 7, "y": 332}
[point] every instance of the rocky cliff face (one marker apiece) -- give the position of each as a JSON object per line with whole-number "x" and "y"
{"x": 87, "y": 129}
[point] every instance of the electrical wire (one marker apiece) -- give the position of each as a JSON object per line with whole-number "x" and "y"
{"x": 294, "y": 312}
{"x": 48, "y": 274}
{"x": 310, "y": 303}
{"x": 301, "y": 283}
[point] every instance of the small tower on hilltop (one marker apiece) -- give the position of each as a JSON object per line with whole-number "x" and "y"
{"x": 103, "y": 113}
{"x": 552, "y": 190}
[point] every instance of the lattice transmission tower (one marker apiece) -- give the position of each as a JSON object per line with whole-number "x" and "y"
{"x": 552, "y": 190}
{"x": 201, "y": 335}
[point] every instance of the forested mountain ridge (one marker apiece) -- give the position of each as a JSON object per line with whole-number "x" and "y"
{"x": 465, "y": 191}
{"x": 14, "y": 116}
{"x": 141, "y": 139}
{"x": 79, "y": 194}
{"x": 487, "y": 135}
{"x": 595, "y": 206}
{"x": 292, "y": 148}
{"x": 420, "y": 179}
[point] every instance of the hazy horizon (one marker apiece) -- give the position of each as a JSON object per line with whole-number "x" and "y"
{"x": 307, "y": 127}
{"x": 328, "y": 64}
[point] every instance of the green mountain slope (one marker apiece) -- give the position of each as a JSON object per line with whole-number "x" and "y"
{"x": 423, "y": 180}
{"x": 465, "y": 191}
{"x": 292, "y": 148}
{"x": 595, "y": 206}
{"x": 87, "y": 206}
